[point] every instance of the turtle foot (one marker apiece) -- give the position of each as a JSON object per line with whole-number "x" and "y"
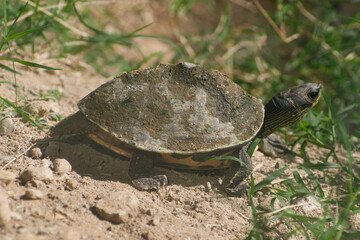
{"x": 238, "y": 191}
{"x": 273, "y": 146}
{"x": 150, "y": 183}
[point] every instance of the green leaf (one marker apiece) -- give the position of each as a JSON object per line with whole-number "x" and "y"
{"x": 8, "y": 68}
{"x": 21, "y": 34}
{"x": 253, "y": 146}
{"x": 11, "y": 83}
{"x": 269, "y": 178}
{"x": 301, "y": 185}
{"x": 5, "y": 18}
{"x": 315, "y": 182}
{"x": 30, "y": 64}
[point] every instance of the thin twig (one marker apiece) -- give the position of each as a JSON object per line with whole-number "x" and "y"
{"x": 12, "y": 160}
{"x": 280, "y": 32}
{"x": 284, "y": 208}
{"x": 242, "y": 215}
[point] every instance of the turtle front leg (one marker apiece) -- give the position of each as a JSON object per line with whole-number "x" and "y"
{"x": 234, "y": 184}
{"x": 273, "y": 146}
{"x": 142, "y": 173}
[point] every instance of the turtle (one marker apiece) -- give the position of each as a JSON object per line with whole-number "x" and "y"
{"x": 183, "y": 116}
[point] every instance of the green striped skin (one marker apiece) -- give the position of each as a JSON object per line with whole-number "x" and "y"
{"x": 289, "y": 107}
{"x": 284, "y": 109}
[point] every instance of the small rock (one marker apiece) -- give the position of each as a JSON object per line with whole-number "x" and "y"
{"x": 309, "y": 206}
{"x": 6, "y": 177}
{"x": 36, "y": 184}
{"x": 5, "y": 212}
{"x": 37, "y": 173}
{"x": 118, "y": 207}
{"x": 35, "y": 153}
{"x": 6, "y": 126}
{"x": 148, "y": 212}
{"x": 61, "y": 165}
{"x": 354, "y": 221}
{"x": 34, "y": 194}
{"x": 46, "y": 162}
{"x": 208, "y": 187}
{"x": 71, "y": 184}
{"x": 148, "y": 236}
{"x": 154, "y": 222}
{"x": 265, "y": 203}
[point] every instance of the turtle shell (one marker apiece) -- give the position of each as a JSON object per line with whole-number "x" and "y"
{"x": 180, "y": 111}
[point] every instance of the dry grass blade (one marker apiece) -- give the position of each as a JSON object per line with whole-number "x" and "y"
{"x": 12, "y": 160}
{"x": 281, "y": 32}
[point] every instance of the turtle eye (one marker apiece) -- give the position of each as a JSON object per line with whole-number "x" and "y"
{"x": 313, "y": 95}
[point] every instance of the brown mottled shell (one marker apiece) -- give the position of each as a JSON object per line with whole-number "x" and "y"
{"x": 180, "y": 110}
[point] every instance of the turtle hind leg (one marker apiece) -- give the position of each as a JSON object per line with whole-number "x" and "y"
{"x": 142, "y": 172}
{"x": 273, "y": 146}
{"x": 234, "y": 184}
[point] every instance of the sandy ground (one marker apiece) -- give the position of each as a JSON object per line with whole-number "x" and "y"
{"x": 74, "y": 189}
{"x": 89, "y": 196}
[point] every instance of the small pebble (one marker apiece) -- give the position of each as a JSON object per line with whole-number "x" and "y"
{"x": 154, "y": 222}
{"x": 35, "y": 153}
{"x": 46, "y": 162}
{"x": 6, "y": 126}
{"x": 265, "y": 203}
{"x": 36, "y": 184}
{"x": 6, "y": 177}
{"x": 34, "y": 194}
{"x": 5, "y": 212}
{"x": 37, "y": 173}
{"x": 71, "y": 184}
{"x": 118, "y": 207}
{"x": 208, "y": 186}
{"x": 61, "y": 165}
{"x": 354, "y": 221}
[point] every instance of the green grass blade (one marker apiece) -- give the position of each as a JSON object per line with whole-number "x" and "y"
{"x": 255, "y": 232}
{"x": 84, "y": 23}
{"x": 253, "y": 146}
{"x": 5, "y": 18}
{"x": 302, "y": 188}
{"x": 30, "y": 64}
{"x": 269, "y": 178}
{"x": 315, "y": 181}
{"x": 11, "y": 83}
{"x": 8, "y": 68}
{"x": 140, "y": 29}
{"x": 21, "y": 112}
{"x": 23, "y": 33}
{"x": 320, "y": 166}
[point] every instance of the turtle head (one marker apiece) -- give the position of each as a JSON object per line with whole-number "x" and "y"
{"x": 289, "y": 107}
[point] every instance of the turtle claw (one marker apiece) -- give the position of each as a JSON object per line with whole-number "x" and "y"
{"x": 238, "y": 191}
{"x": 273, "y": 146}
{"x": 150, "y": 183}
